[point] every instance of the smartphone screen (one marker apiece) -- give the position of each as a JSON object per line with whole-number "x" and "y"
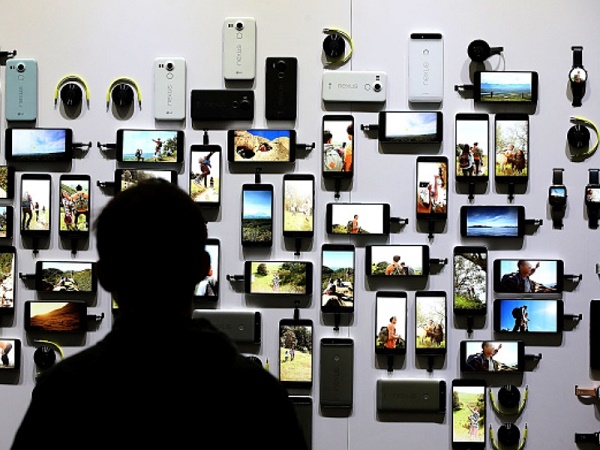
{"x": 35, "y": 204}
{"x": 338, "y": 146}
{"x": 6, "y": 221}
{"x": 66, "y": 276}
{"x": 10, "y": 354}
{"x": 432, "y": 187}
{"x": 470, "y": 264}
{"x": 74, "y": 205}
{"x": 150, "y": 146}
{"x": 505, "y": 86}
{"x": 278, "y": 277}
{"x": 502, "y": 221}
{"x": 296, "y": 353}
{"x": 337, "y": 278}
{"x": 512, "y": 148}
{"x": 430, "y": 322}
{"x": 528, "y": 316}
{"x": 358, "y": 218}
{"x": 38, "y": 144}
{"x": 205, "y": 174}
{"x": 7, "y": 280}
{"x": 472, "y": 140}
{"x": 7, "y": 182}
{"x": 126, "y": 178}
{"x": 208, "y": 288}
{"x": 261, "y": 145}
{"x": 60, "y": 316}
{"x": 516, "y": 276}
{"x": 492, "y": 356}
{"x": 298, "y": 205}
{"x": 390, "y": 322}
{"x": 396, "y": 260}
{"x": 469, "y": 403}
{"x": 410, "y": 127}
{"x": 257, "y": 215}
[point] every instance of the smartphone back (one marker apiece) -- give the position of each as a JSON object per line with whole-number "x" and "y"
{"x": 239, "y": 48}
{"x": 281, "y": 85}
{"x": 411, "y": 395}
{"x": 426, "y": 68}
{"x": 21, "y": 89}
{"x": 243, "y": 327}
{"x": 337, "y": 374}
{"x": 169, "y": 88}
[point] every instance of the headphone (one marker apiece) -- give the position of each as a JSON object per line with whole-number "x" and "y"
{"x": 45, "y": 355}
{"x": 579, "y": 136}
{"x": 509, "y": 435}
{"x": 121, "y": 92}
{"x": 334, "y": 46}
{"x": 509, "y": 397}
{"x": 479, "y": 50}
{"x": 70, "y": 92}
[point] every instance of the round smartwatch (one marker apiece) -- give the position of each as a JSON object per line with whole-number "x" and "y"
{"x": 592, "y": 197}
{"x": 557, "y": 198}
{"x": 577, "y": 76}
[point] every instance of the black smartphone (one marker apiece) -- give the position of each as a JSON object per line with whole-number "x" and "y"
{"x": 281, "y": 87}
{"x": 8, "y": 260}
{"x": 74, "y": 207}
{"x": 511, "y": 148}
{"x": 358, "y": 218}
{"x": 516, "y": 276}
{"x": 390, "y": 322}
{"x": 472, "y": 147}
{"x": 150, "y": 146}
{"x": 337, "y": 278}
{"x": 298, "y": 205}
{"x": 205, "y": 174}
{"x": 503, "y": 221}
{"x": 6, "y": 221}
{"x": 7, "y": 182}
{"x": 296, "y": 353}
{"x": 126, "y": 178}
{"x": 469, "y": 408}
{"x": 594, "y": 334}
{"x": 480, "y": 356}
{"x": 261, "y": 146}
{"x": 38, "y": 144}
{"x": 303, "y": 404}
{"x": 499, "y": 86}
{"x": 257, "y": 215}
{"x": 243, "y": 326}
{"x": 66, "y": 276}
{"x": 382, "y": 260}
{"x": 430, "y": 323}
{"x": 278, "y": 277}
{"x": 410, "y": 395}
{"x": 411, "y": 127}
{"x": 10, "y": 354}
{"x": 36, "y": 204}
{"x": 432, "y": 187}
{"x": 470, "y": 275}
{"x": 338, "y": 146}
{"x": 208, "y": 288}
{"x": 60, "y": 316}
{"x": 523, "y": 315}
{"x": 336, "y": 374}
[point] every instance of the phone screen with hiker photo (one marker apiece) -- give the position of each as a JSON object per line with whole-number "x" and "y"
{"x": 338, "y": 146}
{"x": 432, "y": 187}
{"x": 472, "y": 135}
{"x": 358, "y": 218}
{"x": 389, "y": 260}
{"x": 523, "y": 315}
{"x": 74, "y": 206}
{"x": 337, "y": 278}
{"x": 150, "y": 146}
{"x": 430, "y": 322}
{"x": 390, "y": 322}
{"x": 278, "y": 277}
{"x": 492, "y": 356}
{"x": 205, "y": 174}
{"x": 525, "y": 276}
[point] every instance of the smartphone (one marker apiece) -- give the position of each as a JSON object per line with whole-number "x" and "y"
{"x": 470, "y": 275}
{"x": 410, "y": 127}
{"x": 150, "y": 146}
{"x": 410, "y": 395}
{"x": 126, "y": 178}
{"x": 56, "y": 316}
{"x": 303, "y": 404}
{"x": 296, "y": 353}
{"x": 257, "y": 215}
{"x": 511, "y": 148}
{"x": 38, "y": 144}
{"x": 383, "y": 260}
{"x": 8, "y": 261}
{"x": 21, "y": 89}
{"x": 74, "y": 207}
{"x": 430, "y": 322}
{"x": 239, "y": 48}
{"x": 469, "y": 409}
{"x": 336, "y": 374}
{"x": 35, "y": 204}
{"x": 594, "y": 334}
{"x": 169, "y": 88}
{"x": 278, "y": 277}
{"x": 358, "y": 218}
{"x": 505, "y": 87}
{"x": 281, "y": 87}
{"x": 10, "y": 354}
{"x": 506, "y": 356}
{"x": 503, "y": 221}
{"x": 211, "y": 105}
{"x": 261, "y": 146}
{"x": 528, "y": 315}
{"x": 298, "y": 205}
{"x": 208, "y": 288}
{"x": 7, "y": 182}
{"x": 66, "y": 276}
{"x": 205, "y": 174}
{"x": 6, "y": 221}
{"x": 472, "y": 147}
{"x": 516, "y": 276}
{"x": 432, "y": 187}
{"x": 337, "y": 278}
{"x": 243, "y": 327}
{"x": 338, "y": 146}
{"x": 426, "y": 68}
{"x": 390, "y": 322}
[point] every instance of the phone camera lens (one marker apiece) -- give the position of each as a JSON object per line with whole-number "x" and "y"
{"x": 170, "y": 66}
{"x": 20, "y": 67}
{"x": 377, "y": 87}
{"x": 239, "y": 26}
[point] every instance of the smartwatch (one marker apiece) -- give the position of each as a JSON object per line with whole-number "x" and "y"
{"x": 592, "y": 197}
{"x": 577, "y": 76}
{"x": 587, "y": 392}
{"x": 557, "y": 198}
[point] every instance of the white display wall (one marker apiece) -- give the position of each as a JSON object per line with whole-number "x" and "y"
{"x": 101, "y": 41}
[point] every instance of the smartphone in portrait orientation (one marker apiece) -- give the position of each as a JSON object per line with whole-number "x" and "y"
{"x": 430, "y": 323}
{"x": 208, "y": 288}
{"x": 74, "y": 206}
{"x": 469, "y": 411}
{"x": 261, "y": 146}
{"x": 73, "y": 277}
{"x": 21, "y": 89}
{"x": 303, "y": 404}
{"x": 127, "y": 178}
{"x": 336, "y": 374}
{"x": 257, "y": 215}
{"x": 278, "y": 277}
{"x": 169, "y": 88}
{"x": 281, "y": 87}
{"x": 426, "y": 68}
{"x": 38, "y": 144}
{"x": 205, "y": 174}
{"x": 150, "y": 146}
{"x": 56, "y": 316}
{"x": 6, "y": 221}
{"x": 506, "y": 356}
{"x": 298, "y": 205}
{"x": 411, "y": 127}
{"x": 472, "y": 147}
{"x": 594, "y": 334}
{"x": 296, "y": 353}
{"x": 8, "y": 256}
{"x": 496, "y": 86}
{"x": 338, "y": 146}
{"x": 7, "y": 182}
{"x": 524, "y": 315}
{"x": 358, "y": 218}
{"x": 396, "y": 260}
{"x": 337, "y": 278}
{"x": 502, "y": 221}
{"x": 511, "y": 148}
{"x": 239, "y": 48}
{"x": 529, "y": 276}
{"x": 432, "y": 187}
{"x": 11, "y": 354}
{"x": 470, "y": 275}
{"x": 35, "y": 204}
{"x": 390, "y": 322}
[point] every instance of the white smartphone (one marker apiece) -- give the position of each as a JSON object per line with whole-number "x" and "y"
{"x": 239, "y": 48}
{"x": 169, "y": 88}
{"x": 426, "y": 68}
{"x": 21, "y": 89}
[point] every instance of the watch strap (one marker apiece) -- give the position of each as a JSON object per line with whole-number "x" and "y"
{"x": 586, "y": 392}
{"x": 577, "y": 55}
{"x": 557, "y": 176}
{"x": 594, "y": 176}
{"x": 587, "y": 437}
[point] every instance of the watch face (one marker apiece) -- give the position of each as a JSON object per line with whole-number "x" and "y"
{"x": 557, "y": 196}
{"x": 592, "y": 195}
{"x": 578, "y": 75}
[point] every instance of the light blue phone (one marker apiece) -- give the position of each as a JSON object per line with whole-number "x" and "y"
{"x": 21, "y": 89}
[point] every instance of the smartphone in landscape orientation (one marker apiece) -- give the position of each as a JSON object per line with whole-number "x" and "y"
{"x": 390, "y": 322}
{"x": 239, "y": 48}
{"x": 430, "y": 322}
{"x": 261, "y": 146}
{"x": 411, "y": 127}
{"x": 56, "y": 316}
{"x": 511, "y": 148}
{"x": 8, "y": 256}
{"x": 531, "y": 276}
{"x": 257, "y": 215}
{"x": 506, "y": 356}
{"x": 358, "y": 218}
{"x": 150, "y": 146}
{"x": 127, "y": 178}
{"x": 278, "y": 278}
{"x": 296, "y": 353}
{"x": 529, "y": 316}
{"x": 205, "y": 174}
{"x": 35, "y": 204}
{"x": 38, "y": 144}
{"x": 73, "y": 277}
{"x": 298, "y": 205}
{"x": 469, "y": 414}
{"x": 281, "y": 87}
{"x": 338, "y": 146}
{"x": 432, "y": 187}
{"x": 396, "y": 260}
{"x": 336, "y": 376}
{"x": 472, "y": 147}
{"x": 470, "y": 275}
{"x": 208, "y": 288}
{"x": 337, "y": 278}
{"x": 495, "y": 221}
{"x": 21, "y": 89}
{"x": 169, "y": 88}
{"x": 74, "y": 206}
{"x": 426, "y": 68}
{"x": 505, "y": 87}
